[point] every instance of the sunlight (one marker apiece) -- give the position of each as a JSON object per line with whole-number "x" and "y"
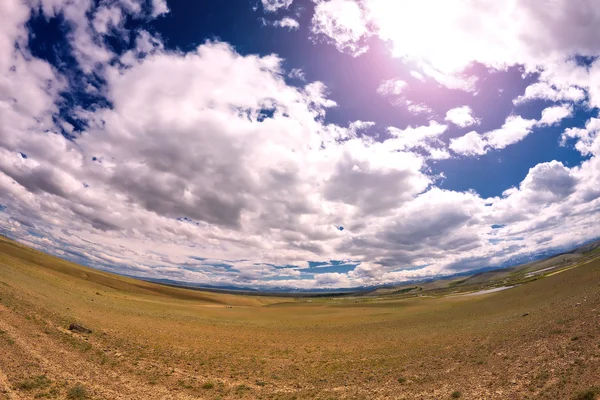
{"x": 445, "y": 34}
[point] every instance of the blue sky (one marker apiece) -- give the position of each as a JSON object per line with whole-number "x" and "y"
{"x": 228, "y": 143}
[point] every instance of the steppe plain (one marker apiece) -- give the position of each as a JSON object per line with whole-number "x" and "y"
{"x": 537, "y": 340}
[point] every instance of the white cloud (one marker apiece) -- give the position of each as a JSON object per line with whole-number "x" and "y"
{"x": 159, "y": 7}
{"x": 425, "y": 138}
{"x": 416, "y": 108}
{"x": 462, "y": 117}
{"x": 451, "y": 80}
{"x": 297, "y": 73}
{"x": 542, "y": 39}
{"x": 412, "y": 136}
{"x": 392, "y": 87}
{"x": 275, "y": 5}
{"x": 545, "y": 91}
{"x": 211, "y": 154}
{"x": 515, "y": 129}
{"x": 587, "y": 139}
{"x": 554, "y": 115}
{"x": 548, "y": 182}
{"x": 360, "y": 126}
{"x": 417, "y": 75}
{"x": 395, "y": 90}
{"x": 287, "y": 22}
{"x": 470, "y": 144}
{"x": 341, "y": 22}
{"x": 106, "y": 18}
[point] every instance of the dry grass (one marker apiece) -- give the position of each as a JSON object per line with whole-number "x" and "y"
{"x": 157, "y": 342}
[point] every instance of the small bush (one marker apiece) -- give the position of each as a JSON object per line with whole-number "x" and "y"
{"x": 77, "y": 392}
{"x": 242, "y": 388}
{"x": 38, "y": 382}
{"x": 401, "y": 379}
{"x": 208, "y": 385}
{"x": 456, "y": 394}
{"x": 586, "y": 395}
{"x": 7, "y": 338}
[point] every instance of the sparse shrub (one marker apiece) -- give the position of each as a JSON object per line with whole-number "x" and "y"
{"x": 401, "y": 379}
{"x": 184, "y": 384}
{"x": 260, "y": 383}
{"x": 51, "y": 394}
{"x": 589, "y": 394}
{"x": 456, "y": 394}
{"x": 208, "y": 385}
{"x": 77, "y": 392}
{"x": 242, "y": 388}
{"x": 38, "y": 382}
{"x": 7, "y": 338}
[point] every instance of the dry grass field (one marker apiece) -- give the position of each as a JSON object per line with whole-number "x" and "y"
{"x": 539, "y": 340}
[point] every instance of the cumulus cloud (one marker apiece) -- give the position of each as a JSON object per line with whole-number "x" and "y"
{"x": 515, "y": 129}
{"x": 531, "y": 35}
{"x": 462, "y": 117}
{"x": 341, "y": 22}
{"x": 554, "y": 115}
{"x": 546, "y": 91}
{"x": 541, "y": 39}
{"x": 207, "y": 166}
{"x": 471, "y": 144}
{"x": 587, "y": 140}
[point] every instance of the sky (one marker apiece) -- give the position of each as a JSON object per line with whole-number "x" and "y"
{"x": 299, "y": 143}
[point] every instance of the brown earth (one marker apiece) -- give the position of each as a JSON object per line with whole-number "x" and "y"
{"x": 156, "y": 342}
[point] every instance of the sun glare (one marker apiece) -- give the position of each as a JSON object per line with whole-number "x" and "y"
{"x": 439, "y": 33}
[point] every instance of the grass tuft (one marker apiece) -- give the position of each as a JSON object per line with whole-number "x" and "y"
{"x": 38, "y": 382}
{"x": 77, "y": 392}
{"x": 456, "y": 394}
{"x": 6, "y": 338}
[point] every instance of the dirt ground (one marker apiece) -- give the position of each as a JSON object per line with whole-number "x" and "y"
{"x": 540, "y": 340}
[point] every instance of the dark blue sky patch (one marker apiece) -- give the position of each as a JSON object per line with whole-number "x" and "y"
{"x": 315, "y": 264}
{"x": 48, "y": 41}
{"x": 35, "y": 233}
{"x": 341, "y": 269}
